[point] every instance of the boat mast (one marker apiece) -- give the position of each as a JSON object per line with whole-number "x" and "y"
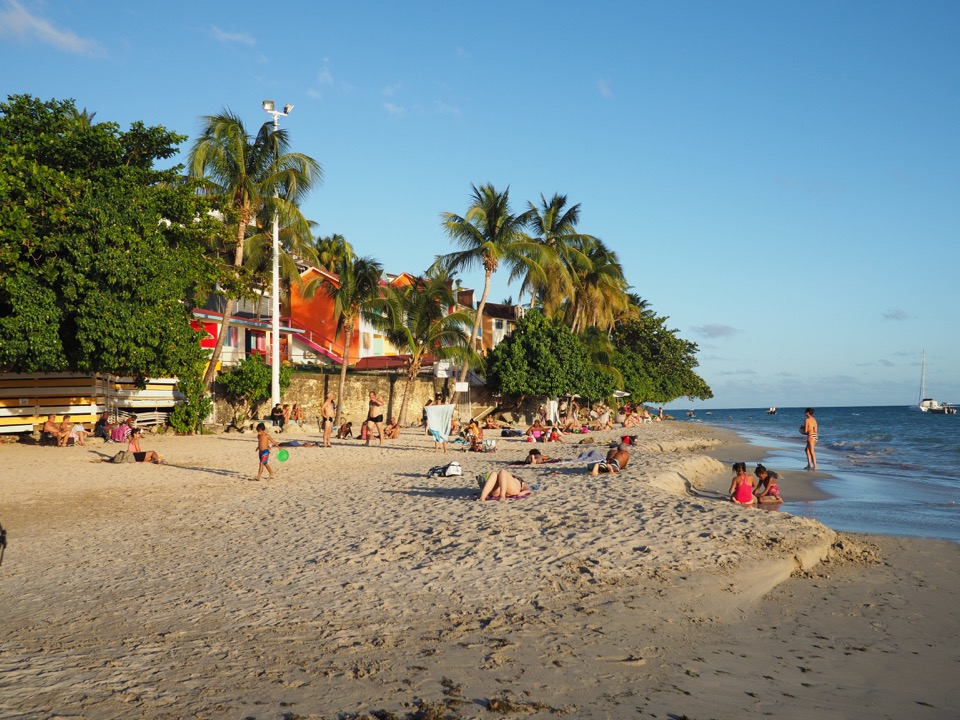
{"x": 923, "y": 376}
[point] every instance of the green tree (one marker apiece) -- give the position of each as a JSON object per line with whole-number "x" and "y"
{"x": 189, "y": 414}
{"x": 255, "y": 178}
{"x": 355, "y": 293}
{"x": 99, "y": 250}
{"x": 490, "y": 234}
{"x": 656, "y": 363}
{"x": 543, "y": 358}
{"x": 248, "y": 384}
{"x": 420, "y": 324}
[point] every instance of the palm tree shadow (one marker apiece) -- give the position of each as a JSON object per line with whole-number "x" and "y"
{"x": 439, "y": 493}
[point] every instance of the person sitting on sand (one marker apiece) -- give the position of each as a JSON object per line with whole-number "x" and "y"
{"x": 103, "y": 427}
{"x": 553, "y": 433}
{"x": 121, "y": 432}
{"x": 78, "y": 433}
{"x": 133, "y": 447}
{"x": 474, "y": 436}
{"x": 51, "y": 430}
{"x": 501, "y": 484}
{"x": 65, "y": 427}
{"x": 767, "y": 490}
{"x": 276, "y": 416}
{"x": 490, "y": 423}
{"x": 391, "y": 431}
{"x": 345, "y": 431}
{"x": 616, "y": 461}
{"x": 741, "y": 489}
{"x": 296, "y": 415}
{"x": 536, "y": 431}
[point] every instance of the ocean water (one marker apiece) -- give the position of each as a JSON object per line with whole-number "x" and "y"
{"x": 895, "y": 470}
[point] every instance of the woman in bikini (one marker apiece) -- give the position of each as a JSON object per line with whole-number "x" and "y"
{"x": 501, "y": 484}
{"x": 810, "y": 430}
{"x": 741, "y": 489}
{"x": 133, "y": 446}
{"x": 328, "y": 410}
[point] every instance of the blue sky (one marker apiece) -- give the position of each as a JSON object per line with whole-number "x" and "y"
{"x": 781, "y": 179}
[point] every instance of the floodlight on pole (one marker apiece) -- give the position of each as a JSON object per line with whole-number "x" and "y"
{"x": 270, "y": 107}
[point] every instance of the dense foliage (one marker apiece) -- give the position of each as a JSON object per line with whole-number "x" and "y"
{"x": 249, "y": 383}
{"x": 657, "y": 365}
{"x": 98, "y": 249}
{"x": 542, "y": 357}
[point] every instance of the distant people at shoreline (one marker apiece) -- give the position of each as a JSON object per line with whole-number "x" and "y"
{"x": 809, "y": 428}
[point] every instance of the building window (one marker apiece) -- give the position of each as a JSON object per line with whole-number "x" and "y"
{"x": 233, "y": 337}
{"x": 498, "y": 324}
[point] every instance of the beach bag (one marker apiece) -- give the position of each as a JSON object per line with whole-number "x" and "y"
{"x": 123, "y": 457}
{"x": 489, "y": 445}
{"x": 445, "y": 470}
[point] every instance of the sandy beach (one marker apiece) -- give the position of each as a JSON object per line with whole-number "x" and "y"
{"x": 353, "y": 585}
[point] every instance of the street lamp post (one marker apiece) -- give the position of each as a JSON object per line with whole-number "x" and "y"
{"x": 270, "y": 108}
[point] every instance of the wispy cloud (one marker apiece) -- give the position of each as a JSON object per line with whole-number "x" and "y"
{"x": 393, "y": 108}
{"x": 604, "y": 87}
{"x": 232, "y": 37}
{"x": 715, "y": 330}
{"x": 17, "y": 22}
{"x": 895, "y": 314}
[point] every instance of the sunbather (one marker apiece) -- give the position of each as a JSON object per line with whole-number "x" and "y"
{"x": 501, "y": 484}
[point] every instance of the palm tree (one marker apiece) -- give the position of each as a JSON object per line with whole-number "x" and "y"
{"x": 355, "y": 293}
{"x": 421, "y": 324}
{"x": 254, "y": 176}
{"x": 489, "y": 234}
{"x": 600, "y": 290}
{"x": 554, "y": 226}
{"x": 330, "y": 249}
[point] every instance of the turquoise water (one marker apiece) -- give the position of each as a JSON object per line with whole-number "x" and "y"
{"x": 895, "y": 470}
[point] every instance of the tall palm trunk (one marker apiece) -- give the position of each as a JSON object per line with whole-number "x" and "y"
{"x": 412, "y": 373}
{"x": 211, "y": 372}
{"x": 348, "y": 337}
{"x": 477, "y": 321}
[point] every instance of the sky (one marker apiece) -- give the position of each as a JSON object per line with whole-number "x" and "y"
{"x": 780, "y": 179}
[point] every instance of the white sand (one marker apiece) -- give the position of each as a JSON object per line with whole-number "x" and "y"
{"x": 353, "y": 583}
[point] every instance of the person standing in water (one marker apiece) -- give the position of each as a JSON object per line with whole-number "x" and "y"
{"x": 809, "y": 428}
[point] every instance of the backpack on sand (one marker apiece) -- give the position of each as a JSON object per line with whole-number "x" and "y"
{"x": 123, "y": 457}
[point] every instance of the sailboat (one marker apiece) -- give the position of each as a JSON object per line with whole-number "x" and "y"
{"x": 929, "y": 405}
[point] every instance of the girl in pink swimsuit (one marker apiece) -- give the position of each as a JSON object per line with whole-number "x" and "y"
{"x": 741, "y": 489}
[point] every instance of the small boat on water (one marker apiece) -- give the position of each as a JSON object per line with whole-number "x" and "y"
{"x": 929, "y": 405}
{"x": 772, "y": 411}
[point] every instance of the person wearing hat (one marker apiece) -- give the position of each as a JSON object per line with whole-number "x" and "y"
{"x": 616, "y": 461}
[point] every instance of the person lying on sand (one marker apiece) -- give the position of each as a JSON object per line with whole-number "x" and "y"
{"x": 767, "y": 490}
{"x": 501, "y": 484}
{"x": 535, "y": 457}
{"x": 741, "y": 489}
{"x": 616, "y": 461}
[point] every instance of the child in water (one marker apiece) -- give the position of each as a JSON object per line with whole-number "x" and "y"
{"x": 741, "y": 489}
{"x": 264, "y": 443}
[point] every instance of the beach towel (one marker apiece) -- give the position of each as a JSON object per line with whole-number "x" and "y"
{"x": 439, "y": 419}
{"x": 553, "y": 414}
{"x": 590, "y": 456}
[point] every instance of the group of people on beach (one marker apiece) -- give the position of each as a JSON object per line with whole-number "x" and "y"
{"x": 744, "y": 490}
